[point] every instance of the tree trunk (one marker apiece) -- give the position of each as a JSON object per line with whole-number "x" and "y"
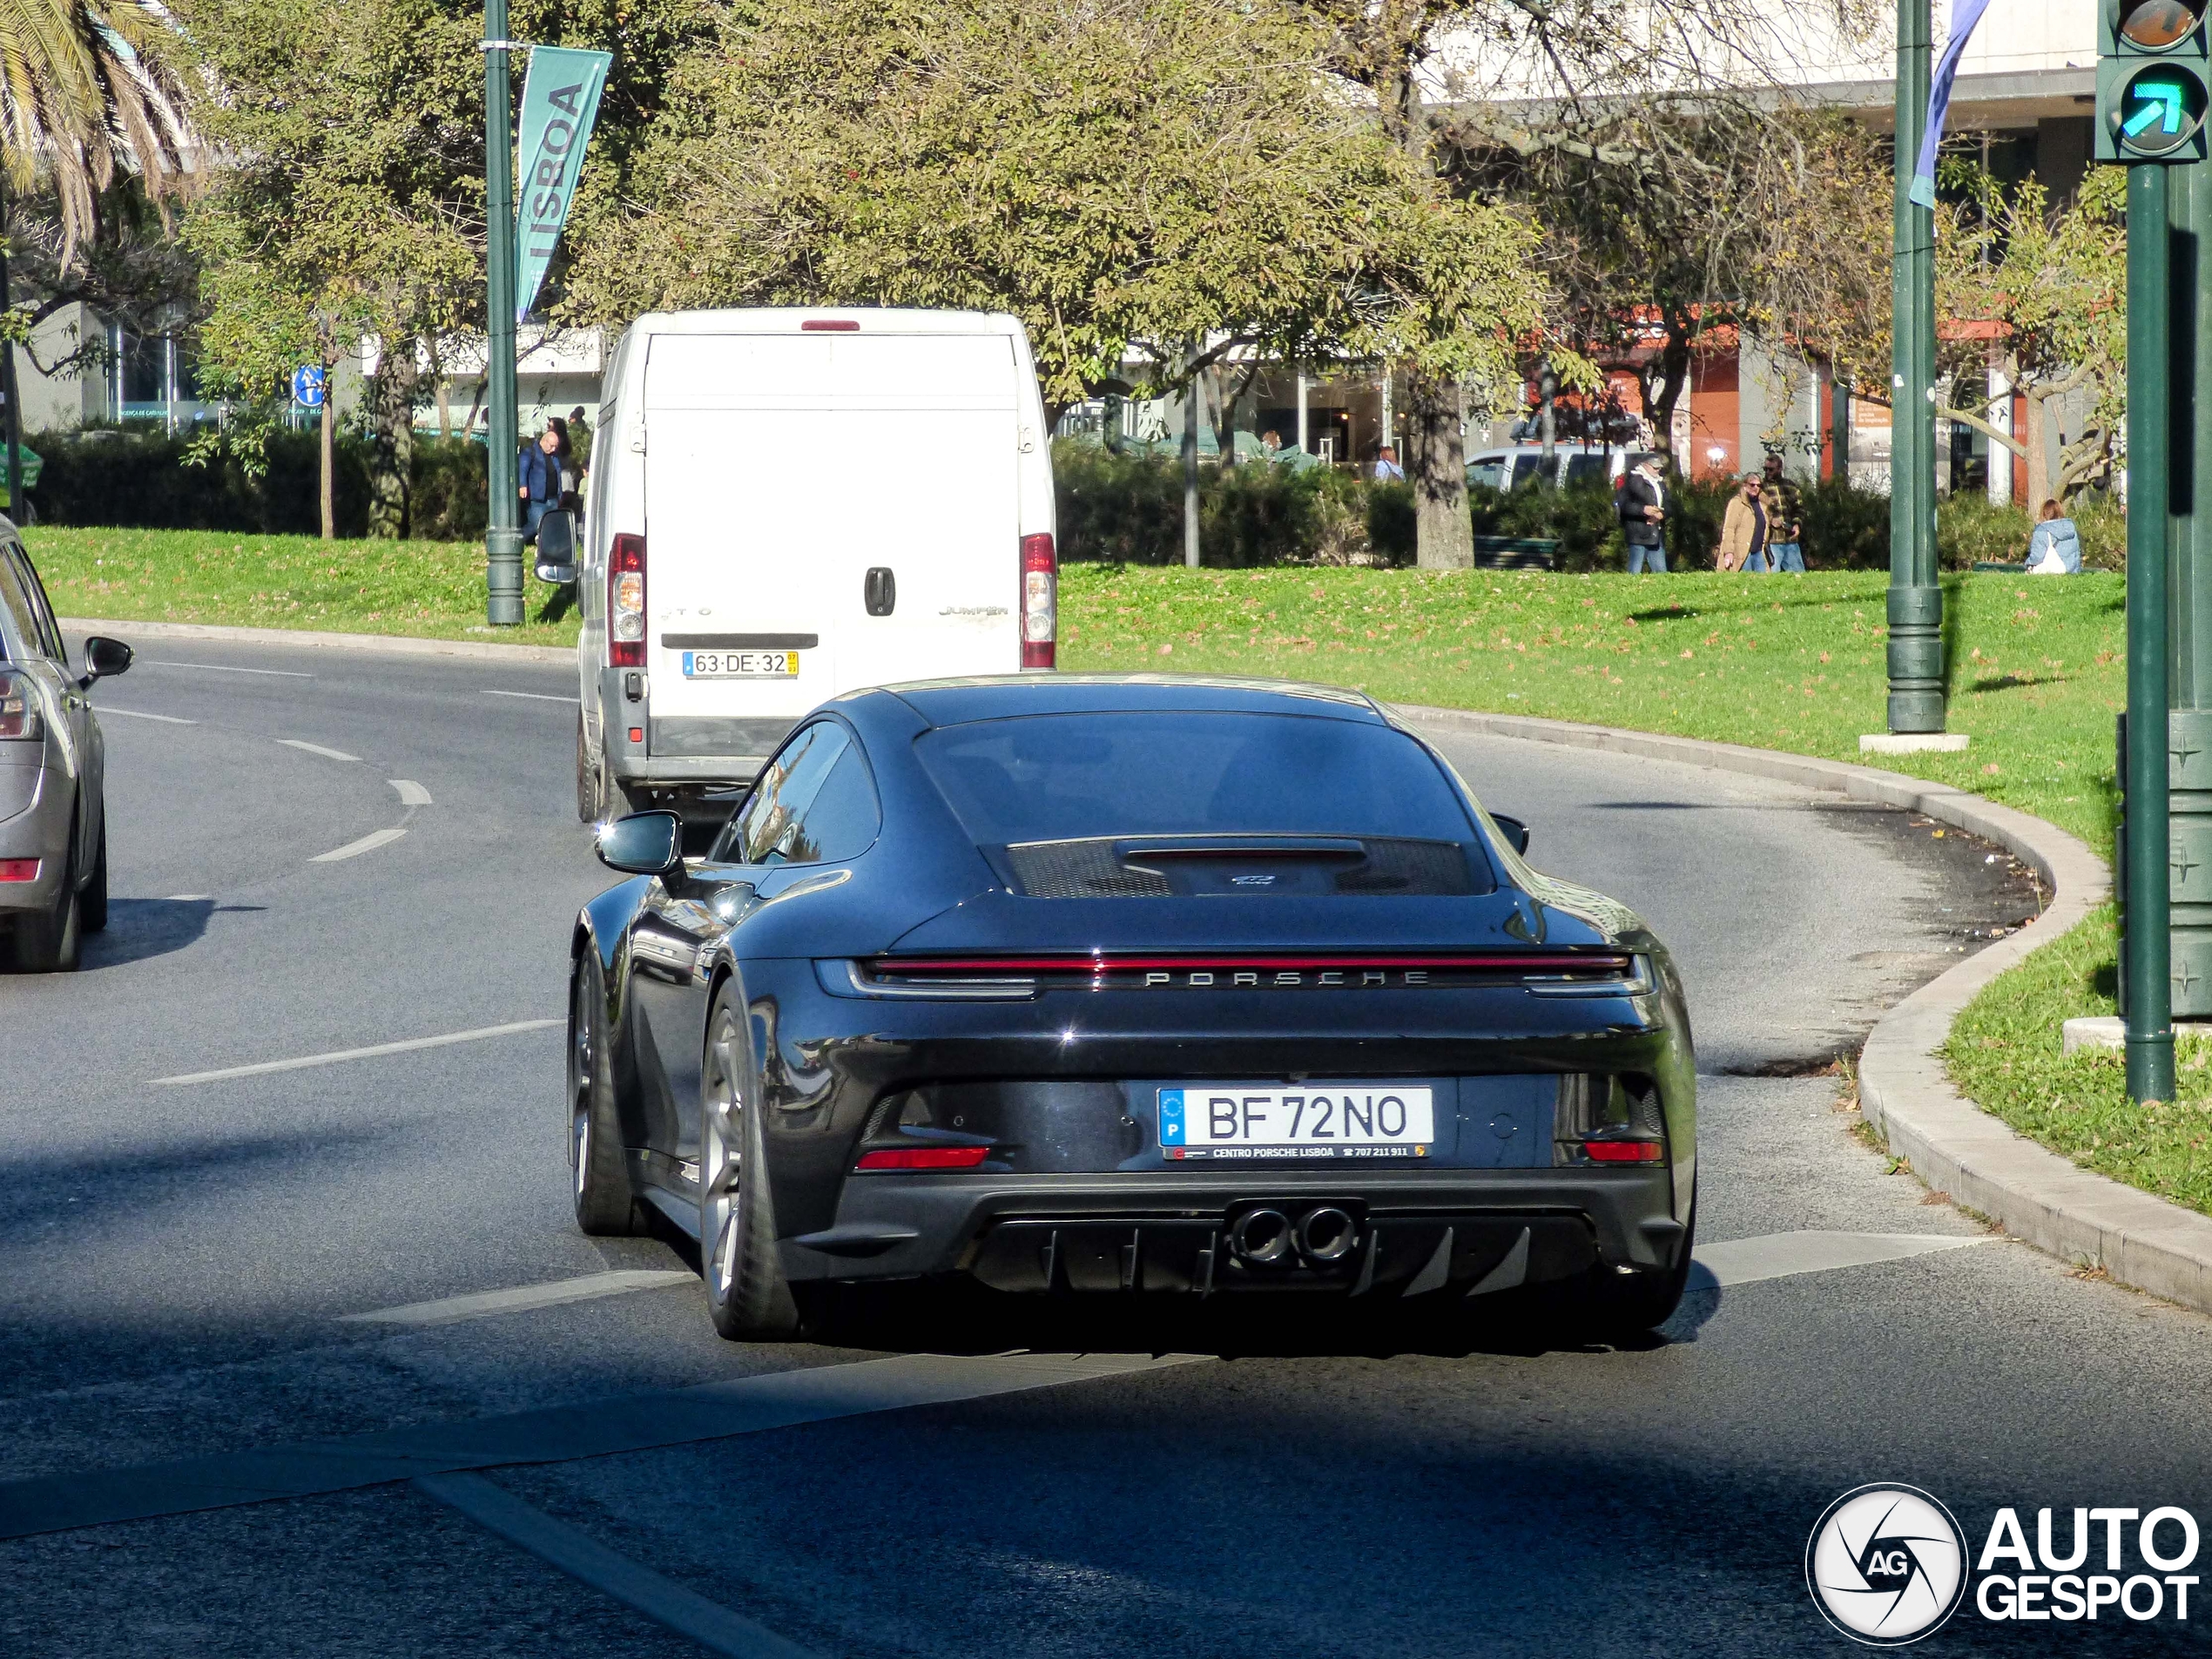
{"x": 2039, "y": 451}
{"x": 392, "y": 448}
{"x": 329, "y": 500}
{"x": 1662, "y": 395}
{"x": 1436, "y": 464}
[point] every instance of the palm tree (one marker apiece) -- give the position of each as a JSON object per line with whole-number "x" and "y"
{"x": 86, "y": 85}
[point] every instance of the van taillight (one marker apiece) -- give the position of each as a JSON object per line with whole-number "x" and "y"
{"x": 626, "y": 603}
{"x": 1040, "y": 601}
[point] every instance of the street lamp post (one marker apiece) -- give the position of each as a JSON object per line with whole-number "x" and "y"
{"x": 1916, "y": 600}
{"x": 503, "y": 533}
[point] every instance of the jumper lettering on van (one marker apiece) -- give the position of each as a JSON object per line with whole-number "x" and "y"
{"x": 973, "y": 610}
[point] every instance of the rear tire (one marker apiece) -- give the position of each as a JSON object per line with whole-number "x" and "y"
{"x": 1644, "y": 1302}
{"x": 47, "y": 941}
{"x": 607, "y": 1205}
{"x": 587, "y": 777}
{"x": 91, "y": 904}
{"x": 747, "y": 1296}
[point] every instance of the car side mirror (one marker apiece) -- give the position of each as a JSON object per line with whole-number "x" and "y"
{"x": 556, "y": 547}
{"x": 1513, "y": 830}
{"x": 643, "y": 843}
{"x": 103, "y": 658}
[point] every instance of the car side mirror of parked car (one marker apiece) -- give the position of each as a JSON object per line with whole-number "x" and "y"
{"x": 1513, "y": 830}
{"x": 643, "y": 843}
{"x": 556, "y": 549}
{"x": 103, "y": 658}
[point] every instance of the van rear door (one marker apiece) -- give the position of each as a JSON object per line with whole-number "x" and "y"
{"x": 781, "y": 468}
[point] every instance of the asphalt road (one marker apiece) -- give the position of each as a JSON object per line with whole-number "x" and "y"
{"x": 178, "y": 1261}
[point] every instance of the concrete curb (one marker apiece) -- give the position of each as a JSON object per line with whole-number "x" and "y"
{"x": 389, "y": 644}
{"x": 1954, "y": 1146}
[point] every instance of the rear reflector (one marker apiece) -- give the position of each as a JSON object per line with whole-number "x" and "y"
{"x": 1040, "y": 602}
{"x": 19, "y": 869}
{"x": 1625, "y": 1151}
{"x": 923, "y": 1157}
{"x": 626, "y": 602}
{"x": 829, "y": 326}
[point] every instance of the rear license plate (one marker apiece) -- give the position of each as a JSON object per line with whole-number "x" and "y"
{"x": 740, "y": 664}
{"x": 1309, "y": 1121}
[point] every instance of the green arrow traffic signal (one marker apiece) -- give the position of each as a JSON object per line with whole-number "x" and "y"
{"x": 2161, "y": 97}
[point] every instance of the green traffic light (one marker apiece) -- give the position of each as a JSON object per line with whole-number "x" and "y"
{"x": 2158, "y": 112}
{"x": 2163, "y": 97}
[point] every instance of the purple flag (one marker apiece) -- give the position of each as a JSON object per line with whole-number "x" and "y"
{"x": 1964, "y": 14}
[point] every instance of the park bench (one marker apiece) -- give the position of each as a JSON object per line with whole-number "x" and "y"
{"x": 1516, "y": 553}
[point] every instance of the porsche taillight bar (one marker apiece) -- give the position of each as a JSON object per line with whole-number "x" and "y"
{"x": 1527, "y": 962}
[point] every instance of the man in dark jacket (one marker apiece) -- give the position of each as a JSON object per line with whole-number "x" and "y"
{"x": 1641, "y": 504}
{"x": 539, "y": 470}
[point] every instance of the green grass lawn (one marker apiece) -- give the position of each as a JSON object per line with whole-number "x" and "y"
{"x": 430, "y": 589}
{"x": 1780, "y": 663}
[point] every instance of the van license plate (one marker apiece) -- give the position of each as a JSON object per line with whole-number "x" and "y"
{"x": 740, "y": 664}
{"x": 1315, "y": 1120}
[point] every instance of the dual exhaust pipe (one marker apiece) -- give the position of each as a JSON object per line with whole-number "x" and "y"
{"x": 1267, "y": 1236}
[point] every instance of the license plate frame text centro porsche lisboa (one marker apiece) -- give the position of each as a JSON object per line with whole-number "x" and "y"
{"x": 1313, "y": 1120}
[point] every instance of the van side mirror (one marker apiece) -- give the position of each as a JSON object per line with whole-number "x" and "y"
{"x": 643, "y": 843}
{"x": 1513, "y": 830}
{"x": 556, "y": 547}
{"x": 103, "y": 658}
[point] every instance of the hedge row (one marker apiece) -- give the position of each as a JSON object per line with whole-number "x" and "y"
{"x": 1128, "y": 508}
{"x": 139, "y": 481}
{"x": 1113, "y": 508}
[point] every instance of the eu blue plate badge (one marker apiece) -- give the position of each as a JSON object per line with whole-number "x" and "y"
{"x": 1172, "y": 1117}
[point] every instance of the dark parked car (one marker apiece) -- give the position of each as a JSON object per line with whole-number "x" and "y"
{"x": 53, "y": 805}
{"x": 1128, "y": 986}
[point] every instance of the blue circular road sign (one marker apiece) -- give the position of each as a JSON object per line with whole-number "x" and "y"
{"x": 307, "y": 386}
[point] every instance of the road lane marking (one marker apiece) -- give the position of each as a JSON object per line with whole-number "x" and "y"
{"x": 186, "y": 898}
{"x": 338, "y": 1056}
{"x": 411, "y": 793}
{"x": 354, "y": 849}
{"x": 140, "y": 714}
{"x": 581, "y": 1556}
{"x": 224, "y": 668}
{"x": 480, "y": 1304}
{"x": 569, "y": 1433}
{"x": 317, "y": 749}
{"x": 535, "y": 697}
{"x": 1746, "y": 1261}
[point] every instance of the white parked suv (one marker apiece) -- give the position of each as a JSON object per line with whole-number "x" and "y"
{"x": 1512, "y": 465}
{"x": 789, "y": 504}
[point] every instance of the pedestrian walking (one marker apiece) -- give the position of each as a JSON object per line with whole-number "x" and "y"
{"x": 1743, "y": 531}
{"x": 540, "y": 472}
{"x": 1784, "y": 506}
{"x": 1639, "y": 502}
{"x": 1386, "y": 467}
{"x": 2055, "y": 545}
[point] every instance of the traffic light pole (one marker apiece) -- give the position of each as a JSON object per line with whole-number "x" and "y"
{"x": 503, "y": 533}
{"x": 2148, "y": 942}
{"x": 1916, "y": 600}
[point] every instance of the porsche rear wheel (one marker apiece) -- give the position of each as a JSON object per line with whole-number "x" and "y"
{"x": 747, "y": 1296}
{"x": 606, "y": 1203}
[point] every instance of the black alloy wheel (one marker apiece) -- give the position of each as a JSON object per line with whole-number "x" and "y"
{"x": 747, "y": 1296}
{"x": 607, "y": 1205}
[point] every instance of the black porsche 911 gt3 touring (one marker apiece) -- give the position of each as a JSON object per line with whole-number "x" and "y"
{"x": 1128, "y": 985}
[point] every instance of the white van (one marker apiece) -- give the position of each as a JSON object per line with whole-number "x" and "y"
{"x": 785, "y": 505}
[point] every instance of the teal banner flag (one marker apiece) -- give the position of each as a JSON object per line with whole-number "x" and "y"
{"x": 560, "y": 102}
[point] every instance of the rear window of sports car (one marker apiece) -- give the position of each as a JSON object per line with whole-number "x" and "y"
{"x": 1062, "y": 776}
